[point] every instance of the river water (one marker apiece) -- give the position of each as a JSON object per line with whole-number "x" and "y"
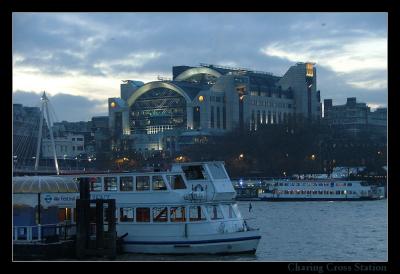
{"x": 307, "y": 231}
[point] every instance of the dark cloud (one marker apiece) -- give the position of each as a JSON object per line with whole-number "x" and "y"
{"x": 66, "y": 107}
{"x": 58, "y": 43}
{"x": 187, "y": 37}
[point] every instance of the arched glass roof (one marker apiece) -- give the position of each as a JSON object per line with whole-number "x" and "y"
{"x": 195, "y": 71}
{"x": 40, "y": 184}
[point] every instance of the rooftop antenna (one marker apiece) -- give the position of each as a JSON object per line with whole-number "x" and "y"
{"x": 44, "y": 107}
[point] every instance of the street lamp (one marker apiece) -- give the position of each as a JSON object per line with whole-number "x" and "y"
{"x": 241, "y": 156}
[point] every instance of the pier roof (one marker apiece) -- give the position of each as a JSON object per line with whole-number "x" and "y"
{"x": 40, "y": 184}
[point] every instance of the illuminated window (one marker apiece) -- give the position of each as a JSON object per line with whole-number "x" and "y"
{"x": 309, "y": 70}
{"x": 142, "y": 183}
{"x": 126, "y": 214}
{"x": 142, "y": 214}
{"x": 177, "y": 214}
{"x": 95, "y": 184}
{"x": 160, "y": 214}
{"x": 158, "y": 183}
{"x": 110, "y": 184}
{"x": 126, "y": 183}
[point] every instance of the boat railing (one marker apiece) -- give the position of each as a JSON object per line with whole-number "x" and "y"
{"x": 44, "y": 233}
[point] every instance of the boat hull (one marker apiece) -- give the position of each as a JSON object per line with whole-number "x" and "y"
{"x": 242, "y": 242}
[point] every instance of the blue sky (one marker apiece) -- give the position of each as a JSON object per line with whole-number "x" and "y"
{"x": 81, "y": 58}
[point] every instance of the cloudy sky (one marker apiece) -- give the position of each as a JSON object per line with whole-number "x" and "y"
{"x": 79, "y": 59}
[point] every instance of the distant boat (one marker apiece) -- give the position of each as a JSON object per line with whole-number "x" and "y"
{"x": 321, "y": 190}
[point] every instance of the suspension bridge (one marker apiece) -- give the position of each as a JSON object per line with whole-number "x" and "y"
{"x": 29, "y": 131}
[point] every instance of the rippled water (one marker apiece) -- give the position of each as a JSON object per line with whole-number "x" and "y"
{"x": 307, "y": 231}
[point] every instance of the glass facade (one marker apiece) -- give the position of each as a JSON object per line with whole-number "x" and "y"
{"x": 157, "y": 110}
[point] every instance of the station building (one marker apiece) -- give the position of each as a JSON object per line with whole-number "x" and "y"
{"x": 209, "y": 100}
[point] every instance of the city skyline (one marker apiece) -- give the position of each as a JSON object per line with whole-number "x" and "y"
{"x": 79, "y": 59}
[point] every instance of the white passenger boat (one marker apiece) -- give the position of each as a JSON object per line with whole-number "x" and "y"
{"x": 320, "y": 190}
{"x": 189, "y": 209}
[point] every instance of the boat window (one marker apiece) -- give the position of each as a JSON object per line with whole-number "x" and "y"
{"x": 337, "y": 192}
{"x": 349, "y": 184}
{"x": 110, "y": 184}
{"x": 214, "y": 212}
{"x": 126, "y": 183}
{"x": 126, "y": 214}
{"x": 228, "y": 211}
{"x": 297, "y": 184}
{"x": 194, "y": 172}
{"x": 176, "y": 182}
{"x": 217, "y": 171}
{"x": 142, "y": 214}
{"x": 160, "y": 214}
{"x": 142, "y": 183}
{"x": 95, "y": 183}
{"x": 196, "y": 214}
{"x": 158, "y": 183}
{"x": 177, "y": 214}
